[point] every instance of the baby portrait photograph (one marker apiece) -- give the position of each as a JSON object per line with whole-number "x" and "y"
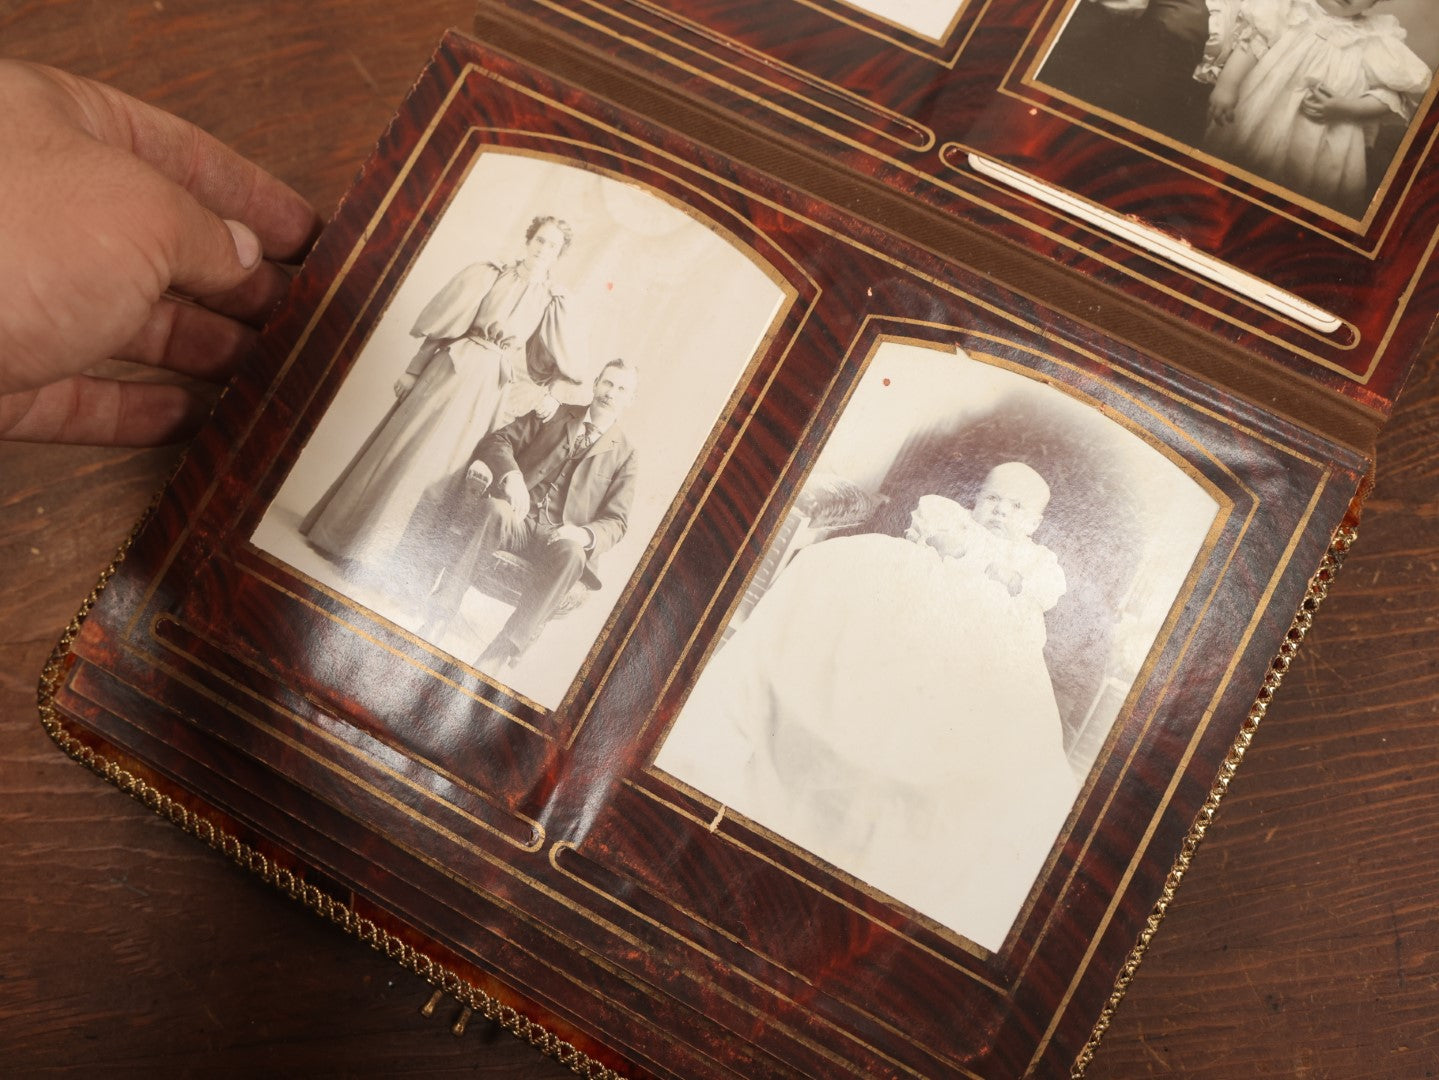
{"x": 933, "y": 650}
{"x": 1312, "y": 98}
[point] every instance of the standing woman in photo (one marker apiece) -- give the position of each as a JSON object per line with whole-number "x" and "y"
{"x": 495, "y": 339}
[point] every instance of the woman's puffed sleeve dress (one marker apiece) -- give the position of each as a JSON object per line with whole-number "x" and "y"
{"x": 474, "y": 331}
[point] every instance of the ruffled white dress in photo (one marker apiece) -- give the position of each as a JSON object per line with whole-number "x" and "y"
{"x": 890, "y": 711}
{"x": 1299, "y": 46}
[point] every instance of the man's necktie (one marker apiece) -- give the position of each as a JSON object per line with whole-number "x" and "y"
{"x": 584, "y": 440}
{"x": 543, "y": 494}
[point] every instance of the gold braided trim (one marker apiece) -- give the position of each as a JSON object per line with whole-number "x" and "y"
{"x": 287, "y": 881}
{"x": 476, "y": 999}
{"x": 1304, "y": 619}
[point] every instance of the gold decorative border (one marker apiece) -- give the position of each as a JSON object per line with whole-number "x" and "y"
{"x": 471, "y": 150}
{"x": 1314, "y": 595}
{"x": 558, "y": 850}
{"x": 1251, "y": 319}
{"x": 935, "y": 50}
{"x": 1030, "y": 81}
{"x": 893, "y": 24}
{"x": 293, "y": 885}
{"x": 663, "y": 19}
{"x": 1226, "y": 507}
{"x": 476, "y": 1000}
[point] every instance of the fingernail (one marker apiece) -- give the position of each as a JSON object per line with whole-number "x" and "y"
{"x": 247, "y": 244}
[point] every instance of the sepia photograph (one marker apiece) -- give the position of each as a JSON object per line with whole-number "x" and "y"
{"x": 1311, "y": 97}
{"x": 934, "y": 648}
{"x": 516, "y": 426}
{"x": 932, "y": 19}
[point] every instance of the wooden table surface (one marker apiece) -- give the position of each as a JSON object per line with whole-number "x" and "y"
{"x": 1304, "y": 943}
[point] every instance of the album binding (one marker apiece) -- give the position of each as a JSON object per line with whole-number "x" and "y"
{"x": 704, "y": 606}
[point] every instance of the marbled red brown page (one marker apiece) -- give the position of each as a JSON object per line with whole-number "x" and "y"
{"x": 511, "y": 824}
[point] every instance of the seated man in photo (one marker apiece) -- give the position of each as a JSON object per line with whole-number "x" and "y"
{"x": 559, "y": 493}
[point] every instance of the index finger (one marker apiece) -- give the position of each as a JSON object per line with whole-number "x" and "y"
{"x": 219, "y": 179}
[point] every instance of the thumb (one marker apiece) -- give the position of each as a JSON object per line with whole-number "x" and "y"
{"x": 200, "y": 252}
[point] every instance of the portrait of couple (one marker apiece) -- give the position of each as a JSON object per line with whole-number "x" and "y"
{"x": 521, "y": 417}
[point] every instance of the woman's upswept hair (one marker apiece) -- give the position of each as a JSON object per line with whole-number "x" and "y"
{"x": 559, "y": 223}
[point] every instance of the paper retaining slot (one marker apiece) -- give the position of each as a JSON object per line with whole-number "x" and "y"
{"x": 1166, "y": 247}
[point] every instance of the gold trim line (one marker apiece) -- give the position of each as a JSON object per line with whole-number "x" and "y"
{"x": 293, "y": 885}
{"x": 1314, "y": 595}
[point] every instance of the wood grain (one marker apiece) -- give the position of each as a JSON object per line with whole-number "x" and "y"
{"x": 1303, "y": 943}
{"x": 128, "y": 947}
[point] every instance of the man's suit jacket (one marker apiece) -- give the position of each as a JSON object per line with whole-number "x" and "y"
{"x": 602, "y": 489}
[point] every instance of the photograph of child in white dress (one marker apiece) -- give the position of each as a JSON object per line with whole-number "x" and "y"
{"x": 536, "y": 278}
{"x": 1313, "y": 97}
{"x": 917, "y": 692}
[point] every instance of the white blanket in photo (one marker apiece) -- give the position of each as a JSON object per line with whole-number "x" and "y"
{"x": 890, "y": 711}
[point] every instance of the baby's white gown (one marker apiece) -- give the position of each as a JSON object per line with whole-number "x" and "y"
{"x": 1299, "y": 45}
{"x": 892, "y": 713}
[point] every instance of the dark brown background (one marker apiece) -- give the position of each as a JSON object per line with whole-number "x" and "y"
{"x": 1304, "y": 944}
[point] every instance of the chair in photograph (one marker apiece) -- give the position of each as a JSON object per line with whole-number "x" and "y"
{"x": 826, "y": 505}
{"x": 503, "y": 576}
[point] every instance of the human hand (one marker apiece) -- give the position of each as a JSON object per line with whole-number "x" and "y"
{"x": 1322, "y": 106}
{"x": 952, "y": 542}
{"x": 514, "y": 492}
{"x": 404, "y": 384}
{"x": 1317, "y": 104}
{"x": 113, "y": 209}
{"x": 547, "y": 407}
{"x": 479, "y": 474}
{"x": 575, "y": 534}
{"x": 1010, "y": 579}
{"x": 1221, "y": 105}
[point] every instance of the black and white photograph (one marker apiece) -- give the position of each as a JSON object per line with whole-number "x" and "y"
{"x": 1313, "y": 98}
{"x": 513, "y": 431}
{"x": 933, "y": 650}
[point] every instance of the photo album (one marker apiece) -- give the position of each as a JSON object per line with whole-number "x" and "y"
{"x": 763, "y": 528}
